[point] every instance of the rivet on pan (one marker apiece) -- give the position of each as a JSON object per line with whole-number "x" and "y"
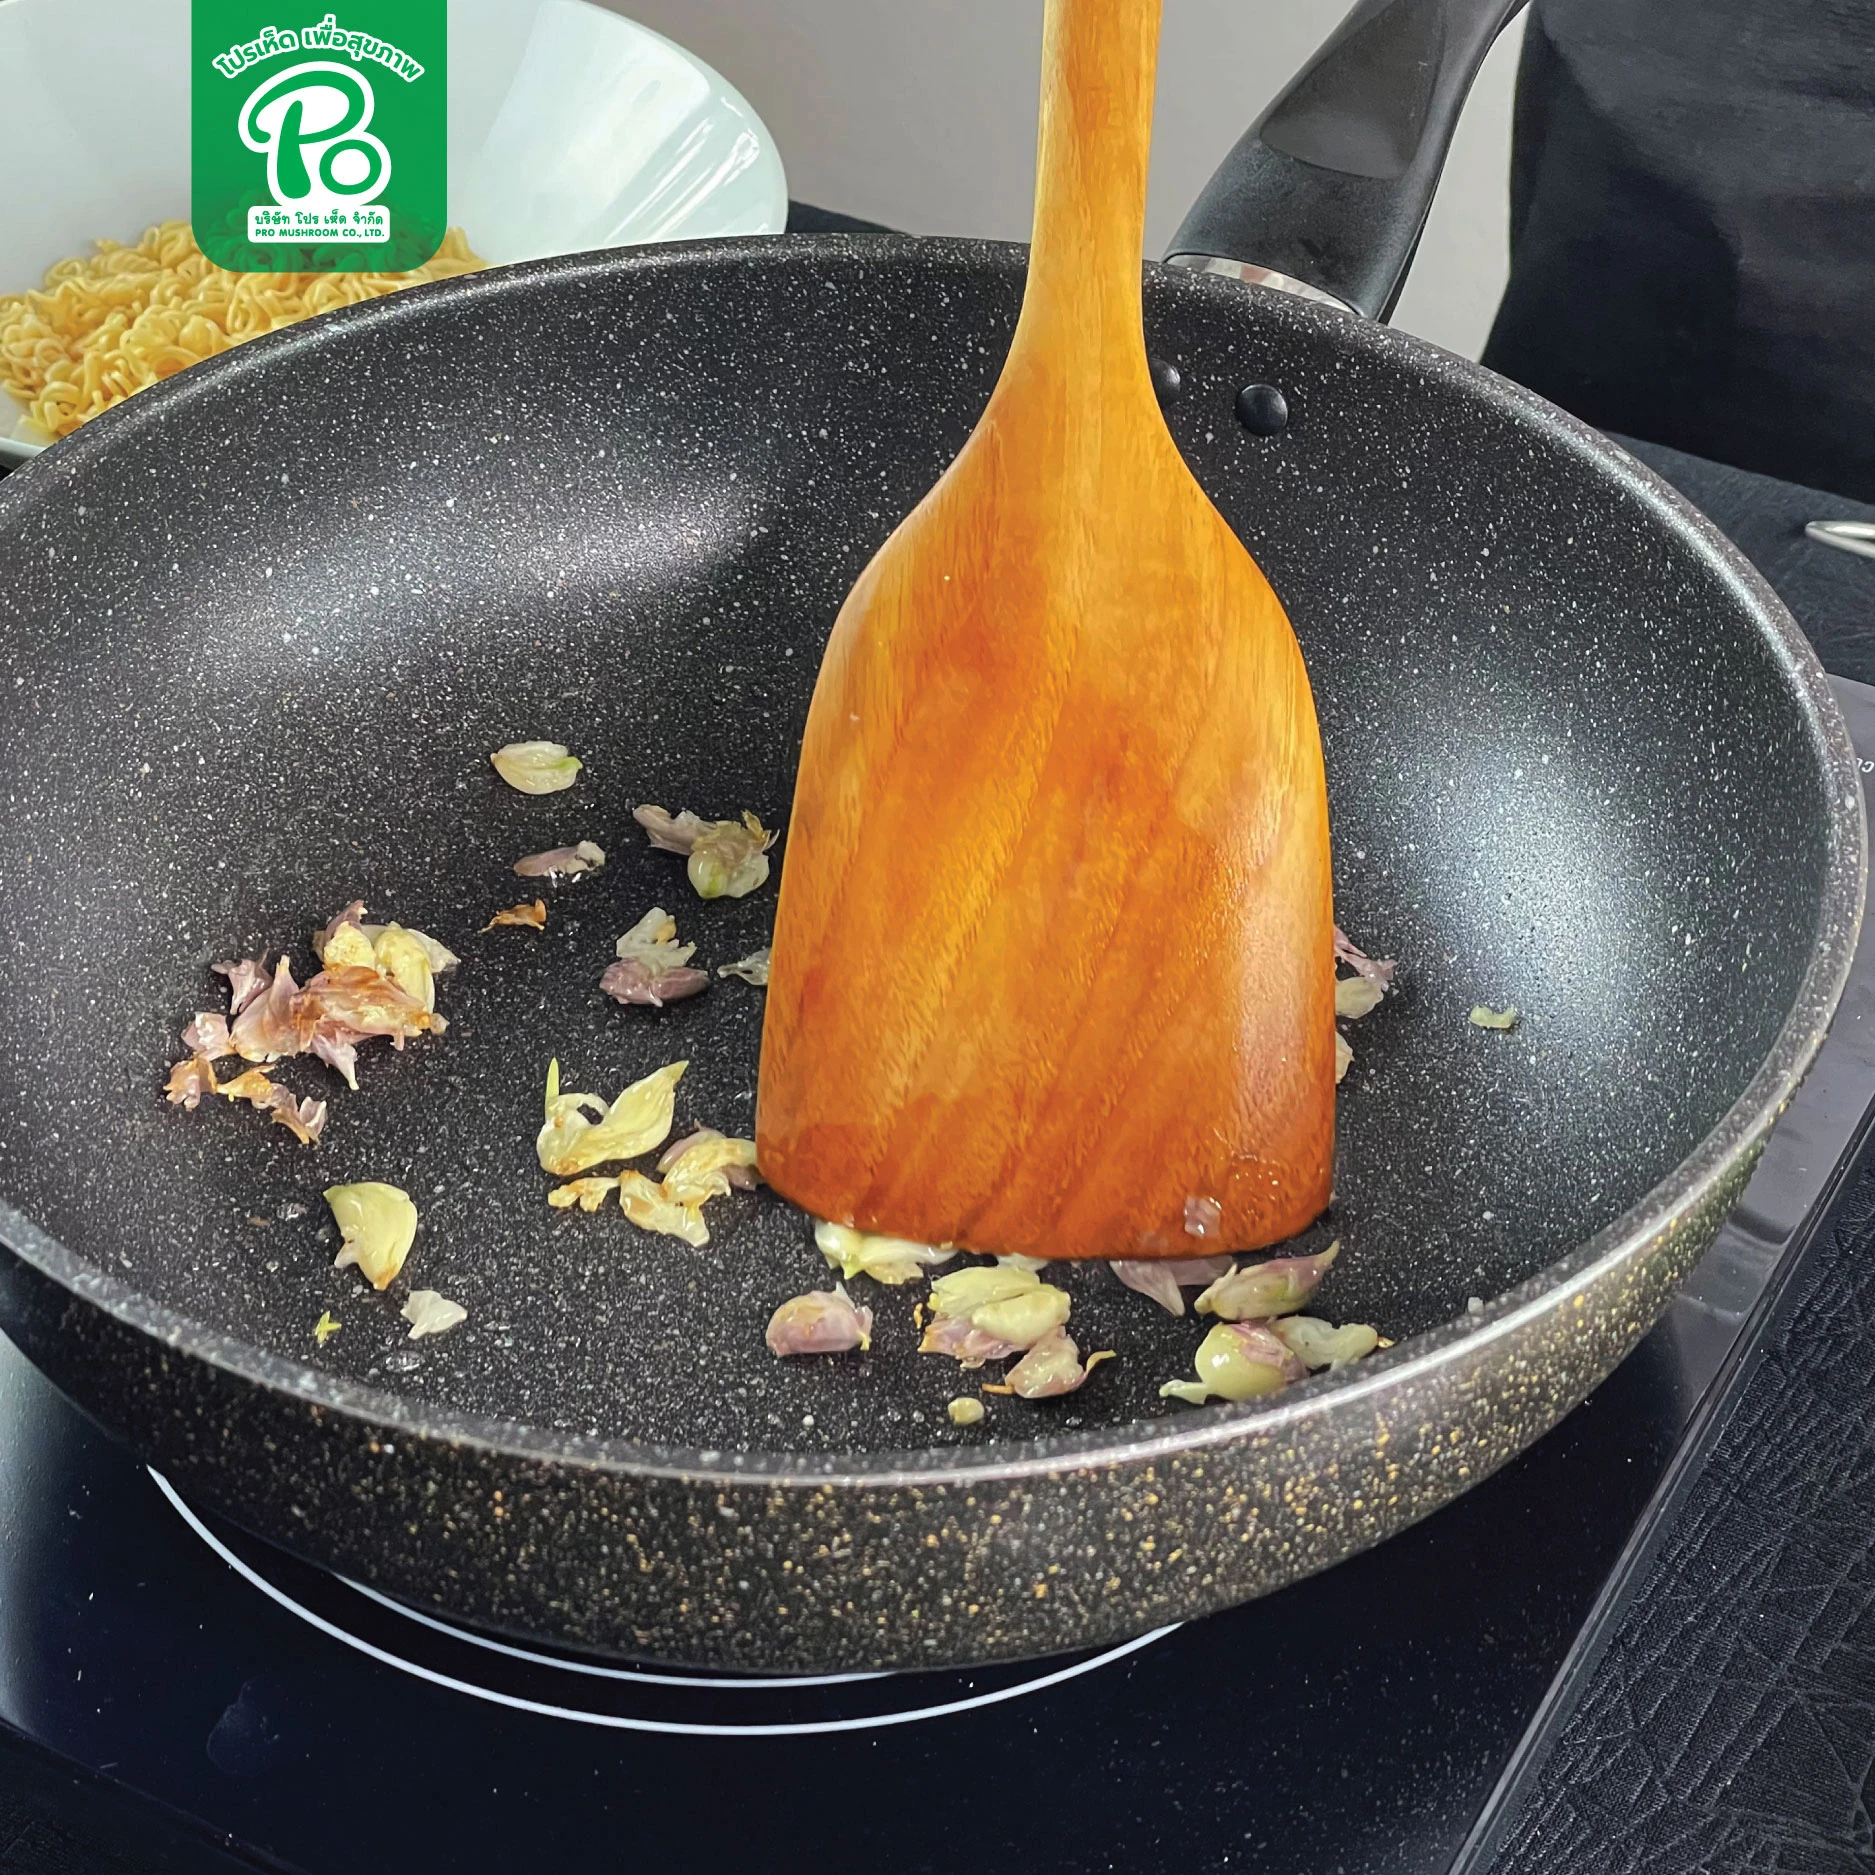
{"x": 1263, "y": 410}
{"x": 1167, "y": 380}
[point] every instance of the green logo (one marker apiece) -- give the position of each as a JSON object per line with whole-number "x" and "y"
{"x": 319, "y": 143}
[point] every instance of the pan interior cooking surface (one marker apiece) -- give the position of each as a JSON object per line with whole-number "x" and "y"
{"x": 255, "y": 657}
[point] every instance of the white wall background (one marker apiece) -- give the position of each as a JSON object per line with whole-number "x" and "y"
{"x": 921, "y": 114}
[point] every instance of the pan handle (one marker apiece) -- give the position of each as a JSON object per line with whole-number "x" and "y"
{"x": 1327, "y": 192}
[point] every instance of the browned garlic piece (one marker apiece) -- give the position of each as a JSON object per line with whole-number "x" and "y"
{"x": 652, "y": 1208}
{"x": 588, "y": 1193}
{"x": 531, "y": 915}
{"x": 189, "y": 1081}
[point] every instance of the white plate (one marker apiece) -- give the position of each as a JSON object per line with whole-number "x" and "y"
{"x": 569, "y": 128}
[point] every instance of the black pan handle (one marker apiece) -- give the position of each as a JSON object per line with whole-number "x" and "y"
{"x": 1328, "y": 191}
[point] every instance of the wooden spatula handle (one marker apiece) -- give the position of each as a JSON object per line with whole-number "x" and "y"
{"x": 1082, "y": 309}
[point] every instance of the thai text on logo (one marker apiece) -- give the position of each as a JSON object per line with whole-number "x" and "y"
{"x": 327, "y": 36}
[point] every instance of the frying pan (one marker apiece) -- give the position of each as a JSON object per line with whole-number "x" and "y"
{"x": 264, "y": 625}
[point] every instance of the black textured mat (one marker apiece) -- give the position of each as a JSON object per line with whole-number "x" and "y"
{"x": 58, "y": 1820}
{"x": 1729, "y": 1724}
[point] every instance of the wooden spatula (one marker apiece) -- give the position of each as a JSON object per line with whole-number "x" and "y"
{"x": 1053, "y": 965}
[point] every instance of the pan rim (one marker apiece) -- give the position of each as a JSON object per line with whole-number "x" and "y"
{"x": 1667, "y": 1205}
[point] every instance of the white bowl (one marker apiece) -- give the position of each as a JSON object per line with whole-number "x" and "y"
{"x": 569, "y": 128}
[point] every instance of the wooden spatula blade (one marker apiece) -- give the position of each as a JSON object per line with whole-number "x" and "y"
{"x": 1053, "y": 965}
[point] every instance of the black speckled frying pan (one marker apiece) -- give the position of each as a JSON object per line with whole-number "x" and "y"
{"x": 261, "y": 628}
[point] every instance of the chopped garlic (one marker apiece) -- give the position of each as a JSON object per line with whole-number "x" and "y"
{"x": 729, "y": 860}
{"x": 891, "y": 1260}
{"x": 669, "y": 833}
{"x": 735, "y": 1158}
{"x": 325, "y": 1327}
{"x": 726, "y": 858}
{"x": 1484, "y": 1017}
{"x": 376, "y": 980}
{"x": 959, "y": 1337}
{"x": 305, "y": 1119}
{"x": 1357, "y": 996}
{"x": 652, "y": 1208}
{"x": 189, "y": 1081}
{"x": 378, "y": 1224}
{"x": 347, "y": 939}
{"x": 588, "y": 1193}
{"x": 1237, "y": 1361}
{"x": 1161, "y": 1278}
{"x": 634, "y": 982}
{"x": 1052, "y": 1367}
{"x": 824, "y": 1321}
{"x": 1023, "y": 1320}
{"x": 651, "y": 965}
{"x": 1344, "y": 1057}
{"x": 1380, "y": 969}
{"x": 1256, "y": 1291}
{"x": 264, "y": 1026}
{"x": 708, "y": 1166}
{"x": 343, "y": 940}
{"x": 562, "y": 862}
{"x": 441, "y": 957}
{"x": 966, "y": 1290}
{"x": 1320, "y": 1344}
{"x": 430, "y": 1314}
{"x": 751, "y": 969}
{"x": 253, "y": 1085}
{"x": 536, "y": 767}
{"x": 637, "y": 1121}
{"x": 703, "y": 1166}
{"x": 964, "y": 1411}
{"x": 1015, "y": 1260}
{"x": 653, "y": 940}
{"x": 207, "y": 1035}
{"x": 406, "y": 961}
{"x": 983, "y": 1312}
{"x": 533, "y": 916}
